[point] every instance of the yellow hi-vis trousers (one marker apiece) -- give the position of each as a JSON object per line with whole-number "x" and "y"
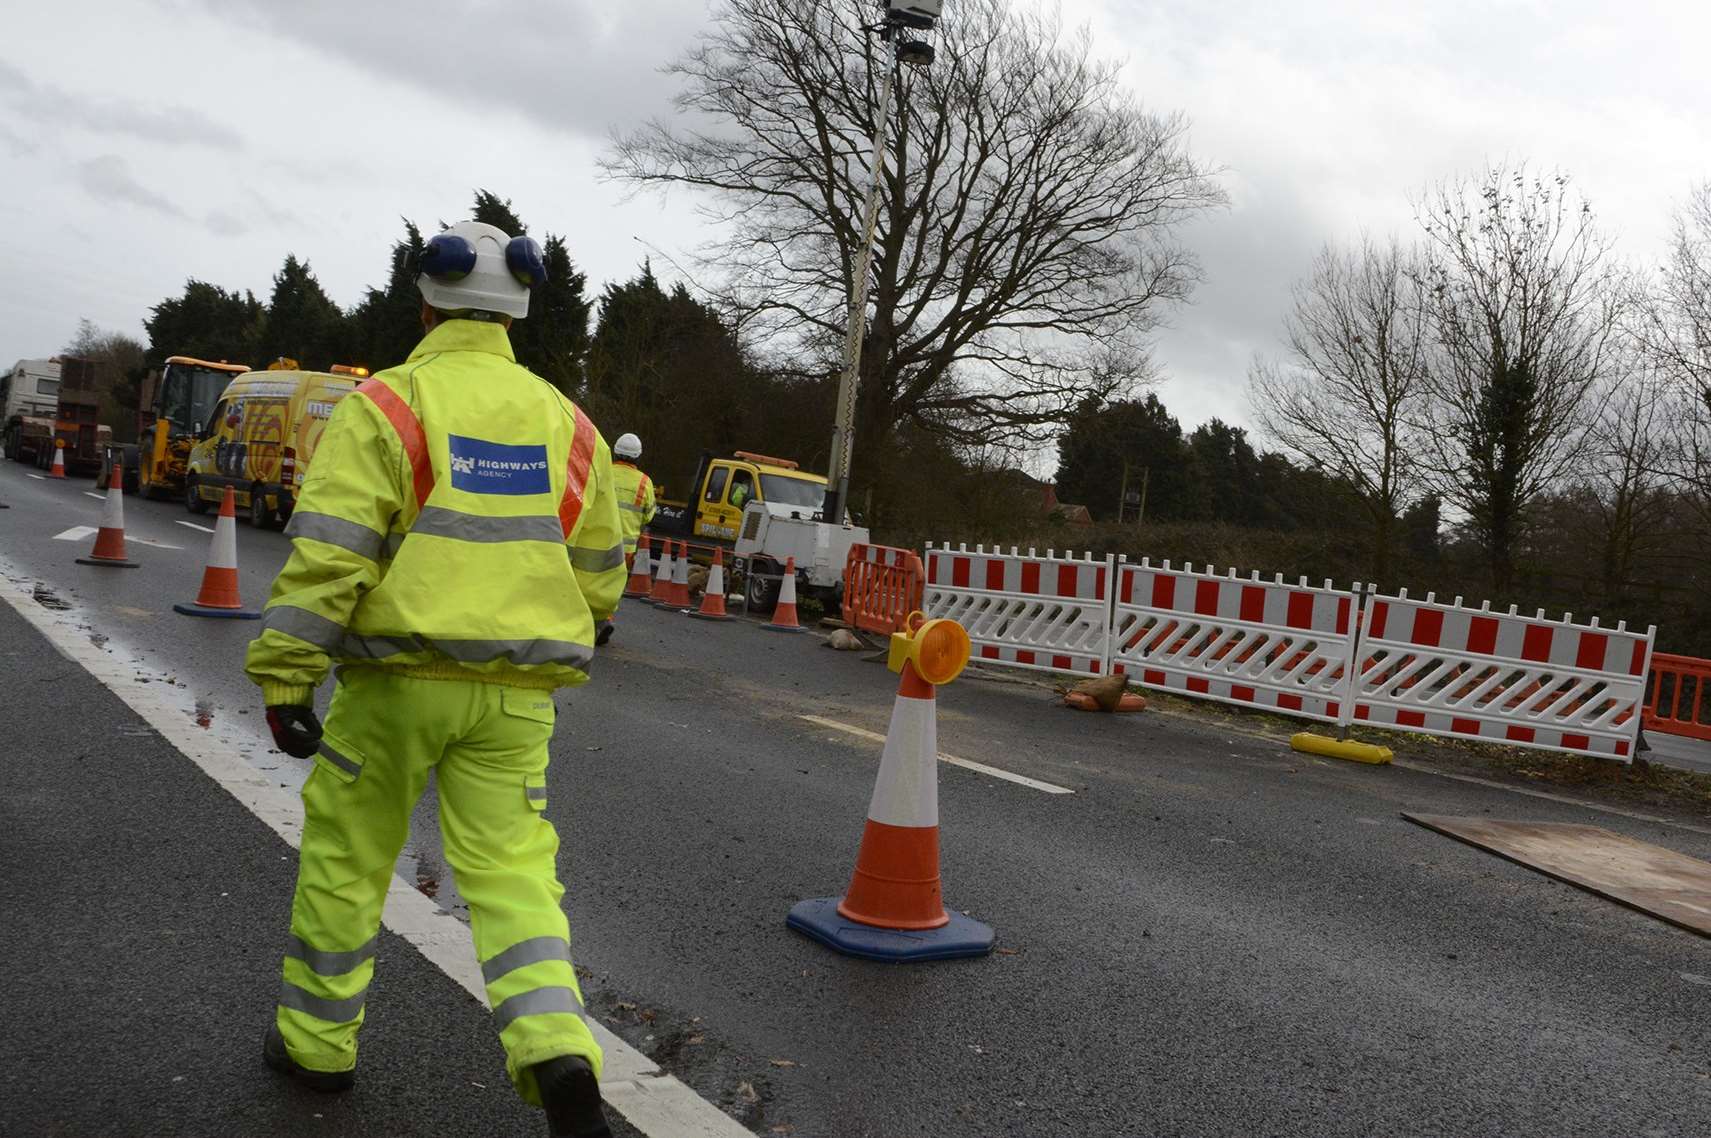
{"x": 488, "y": 744}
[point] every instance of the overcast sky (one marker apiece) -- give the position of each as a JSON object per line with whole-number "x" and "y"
{"x": 146, "y": 141}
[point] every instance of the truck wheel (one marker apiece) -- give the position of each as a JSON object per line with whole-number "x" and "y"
{"x": 761, "y": 595}
{"x": 261, "y": 514}
{"x": 193, "y": 500}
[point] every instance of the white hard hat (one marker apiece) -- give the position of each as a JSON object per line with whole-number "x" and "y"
{"x": 478, "y": 266}
{"x": 627, "y": 446}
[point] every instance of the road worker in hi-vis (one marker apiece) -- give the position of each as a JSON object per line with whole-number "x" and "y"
{"x": 636, "y": 508}
{"x": 455, "y": 544}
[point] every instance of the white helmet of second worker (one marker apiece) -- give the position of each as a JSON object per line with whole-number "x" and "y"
{"x": 478, "y": 268}
{"x": 627, "y": 446}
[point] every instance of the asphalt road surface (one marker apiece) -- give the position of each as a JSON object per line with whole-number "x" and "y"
{"x": 1211, "y": 935}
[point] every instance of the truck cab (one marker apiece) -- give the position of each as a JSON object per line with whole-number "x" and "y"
{"x": 29, "y": 410}
{"x": 723, "y": 488}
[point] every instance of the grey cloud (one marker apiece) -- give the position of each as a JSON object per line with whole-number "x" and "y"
{"x": 47, "y": 105}
{"x": 572, "y": 65}
{"x": 108, "y": 179}
{"x": 222, "y": 224}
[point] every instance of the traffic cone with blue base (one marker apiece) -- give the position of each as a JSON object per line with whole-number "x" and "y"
{"x": 219, "y": 594}
{"x": 894, "y": 909}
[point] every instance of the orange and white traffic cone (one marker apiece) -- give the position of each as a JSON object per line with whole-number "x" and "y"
{"x": 894, "y": 908}
{"x": 784, "y": 618}
{"x": 661, "y": 594}
{"x": 713, "y": 599}
{"x": 57, "y": 470}
{"x": 110, "y": 538}
{"x": 680, "y": 579}
{"x": 219, "y": 595}
{"x": 639, "y": 583}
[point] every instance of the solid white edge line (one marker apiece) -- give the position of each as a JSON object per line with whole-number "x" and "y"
{"x": 192, "y": 525}
{"x": 657, "y": 1104}
{"x": 968, "y": 764}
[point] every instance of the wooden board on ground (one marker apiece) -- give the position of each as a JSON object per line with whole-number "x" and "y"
{"x": 1658, "y": 882}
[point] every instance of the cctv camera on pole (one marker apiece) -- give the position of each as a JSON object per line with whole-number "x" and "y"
{"x": 900, "y": 16}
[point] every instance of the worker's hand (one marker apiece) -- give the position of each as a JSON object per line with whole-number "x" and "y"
{"x": 295, "y": 729}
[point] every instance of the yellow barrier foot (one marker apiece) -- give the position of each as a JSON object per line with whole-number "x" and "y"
{"x": 1340, "y": 748}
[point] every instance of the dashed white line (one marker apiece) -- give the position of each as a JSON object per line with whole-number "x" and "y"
{"x": 655, "y": 1103}
{"x": 967, "y": 764}
{"x": 193, "y": 525}
{"x": 93, "y": 494}
{"x": 75, "y": 533}
{"x": 37, "y": 477}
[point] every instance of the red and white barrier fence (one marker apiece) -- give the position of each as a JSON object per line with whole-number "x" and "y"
{"x": 1442, "y": 669}
{"x": 1051, "y": 613}
{"x": 1288, "y": 647}
{"x": 1339, "y": 656}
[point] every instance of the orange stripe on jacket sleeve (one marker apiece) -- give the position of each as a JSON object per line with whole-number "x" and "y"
{"x": 576, "y": 473}
{"x": 410, "y": 435}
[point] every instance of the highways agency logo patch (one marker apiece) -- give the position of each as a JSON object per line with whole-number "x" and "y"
{"x": 482, "y": 467}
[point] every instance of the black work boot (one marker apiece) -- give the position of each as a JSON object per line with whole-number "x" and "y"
{"x": 572, "y": 1098}
{"x": 273, "y": 1053}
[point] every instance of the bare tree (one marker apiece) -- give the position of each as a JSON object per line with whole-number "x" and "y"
{"x": 1674, "y": 326}
{"x": 1346, "y": 396}
{"x": 119, "y": 370}
{"x": 1626, "y": 467}
{"x": 1523, "y": 300}
{"x": 1025, "y": 247}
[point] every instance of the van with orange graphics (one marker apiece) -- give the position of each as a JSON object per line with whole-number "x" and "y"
{"x": 259, "y": 440}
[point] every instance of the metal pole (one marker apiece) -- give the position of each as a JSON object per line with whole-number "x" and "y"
{"x": 843, "y": 429}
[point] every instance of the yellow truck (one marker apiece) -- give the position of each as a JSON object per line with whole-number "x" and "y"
{"x": 176, "y": 403}
{"x": 259, "y": 437}
{"x": 764, "y": 511}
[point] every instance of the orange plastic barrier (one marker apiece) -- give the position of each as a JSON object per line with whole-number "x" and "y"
{"x": 1678, "y": 683}
{"x": 882, "y": 586}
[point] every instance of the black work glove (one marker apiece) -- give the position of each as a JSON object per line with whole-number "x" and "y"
{"x": 603, "y": 633}
{"x": 295, "y": 729}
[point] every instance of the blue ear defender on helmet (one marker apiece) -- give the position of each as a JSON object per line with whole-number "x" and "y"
{"x": 524, "y": 258}
{"x": 449, "y": 257}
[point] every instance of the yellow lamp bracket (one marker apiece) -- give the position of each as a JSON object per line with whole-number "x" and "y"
{"x": 939, "y": 649}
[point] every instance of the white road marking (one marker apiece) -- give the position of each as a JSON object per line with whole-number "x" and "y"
{"x": 93, "y": 494}
{"x": 75, "y": 533}
{"x": 193, "y": 525}
{"x": 969, "y": 764}
{"x": 655, "y": 1103}
{"x": 155, "y": 544}
{"x": 37, "y": 477}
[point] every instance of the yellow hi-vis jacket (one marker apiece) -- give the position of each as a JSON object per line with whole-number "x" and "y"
{"x": 457, "y": 521}
{"x": 636, "y": 508}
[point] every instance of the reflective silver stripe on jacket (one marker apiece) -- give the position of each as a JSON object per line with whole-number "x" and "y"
{"x": 308, "y": 626}
{"x": 526, "y": 952}
{"x": 347, "y": 535}
{"x": 348, "y": 765}
{"x": 333, "y": 1011}
{"x": 438, "y": 521}
{"x": 632, "y": 507}
{"x": 329, "y": 963}
{"x": 597, "y": 560}
{"x": 541, "y": 1001}
{"x": 563, "y": 652}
